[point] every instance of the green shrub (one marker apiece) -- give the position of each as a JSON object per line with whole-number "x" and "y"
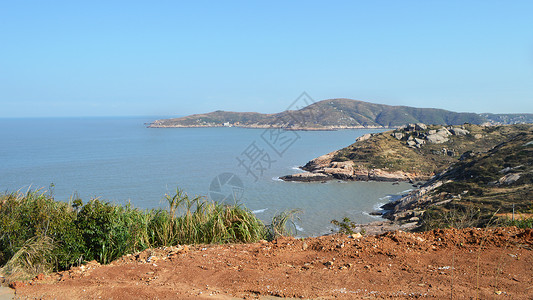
{"x": 453, "y": 217}
{"x": 38, "y": 233}
{"x": 346, "y": 226}
{"x": 25, "y": 216}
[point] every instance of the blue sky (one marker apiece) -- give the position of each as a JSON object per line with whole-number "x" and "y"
{"x": 110, "y": 58}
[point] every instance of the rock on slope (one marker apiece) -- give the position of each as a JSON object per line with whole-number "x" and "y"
{"x": 494, "y": 181}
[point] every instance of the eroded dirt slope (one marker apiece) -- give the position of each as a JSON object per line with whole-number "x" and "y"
{"x": 470, "y": 263}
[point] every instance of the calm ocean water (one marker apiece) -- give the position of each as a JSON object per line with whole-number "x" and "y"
{"x": 119, "y": 159}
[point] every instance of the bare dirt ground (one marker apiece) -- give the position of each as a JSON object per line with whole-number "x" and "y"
{"x": 459, "y": 264}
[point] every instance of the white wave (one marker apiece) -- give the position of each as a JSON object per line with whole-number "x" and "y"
{"x": 377, "y": 206}
{"x": 367, "y": 214}
{"x": 300, "y": 229}
{"x": 258, "y": 211}
{"x": 276, "y": 179}
{"x": 297, "y": 168}
{"x": 384, "y": 198}
{"x": 406, "y": 191}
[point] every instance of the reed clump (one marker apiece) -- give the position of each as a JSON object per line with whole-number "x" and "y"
{"x": 39, "y": 234}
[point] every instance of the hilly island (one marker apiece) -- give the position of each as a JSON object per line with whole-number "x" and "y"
{"x": 334, "y": 114}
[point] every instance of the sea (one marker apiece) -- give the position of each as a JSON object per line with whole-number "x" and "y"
{"x": 120, "y": 160}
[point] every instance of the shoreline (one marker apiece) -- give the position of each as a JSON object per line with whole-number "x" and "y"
{"x": 329, "y": 128}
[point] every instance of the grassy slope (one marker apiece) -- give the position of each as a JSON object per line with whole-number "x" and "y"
{"x": 478, "y": 176}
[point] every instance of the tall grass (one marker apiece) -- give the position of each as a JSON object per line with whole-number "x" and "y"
{"x": 281, "y": 224}
{"x": 38, "y": 233}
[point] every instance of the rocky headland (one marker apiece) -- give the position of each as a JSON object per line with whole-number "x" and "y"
{"x": 413, "y": 153}
{"x": 324, "y": 168}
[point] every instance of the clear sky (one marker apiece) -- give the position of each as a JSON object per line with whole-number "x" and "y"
{"x": 110, "y": 58}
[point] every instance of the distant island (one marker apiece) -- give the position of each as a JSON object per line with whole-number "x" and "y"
{"x": 335, "y": 114}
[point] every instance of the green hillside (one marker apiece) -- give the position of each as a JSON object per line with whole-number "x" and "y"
{"x": 333, "y": 114}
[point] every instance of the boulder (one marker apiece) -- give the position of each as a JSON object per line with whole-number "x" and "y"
{"x": 437, "y": 138}
{"x": 410, "y": 127}
{"x": 444, "y": 132}
{"x": 411, "y": 143}
{"x": 459, "y": 131}
{"x": 398, "y": 135}
{"x": 419, "y": 141}
{"x": 364, "y": 137}
{"x": 509, "y": 178}
{"x": 420, "y": 126}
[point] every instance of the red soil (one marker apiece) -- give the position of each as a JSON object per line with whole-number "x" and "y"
{"x": 462, "y": 264}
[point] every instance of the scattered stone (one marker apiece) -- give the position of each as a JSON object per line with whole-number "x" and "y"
{"x": 17, "y": 284}
{"x": 39, "y": 277}
{"x": 509, "y": 179}
{"x": 505, "y": 170}
{"x": 467, "y": 155}
{"x": 357, "y": 235}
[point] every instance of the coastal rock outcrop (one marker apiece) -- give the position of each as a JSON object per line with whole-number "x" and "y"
{"x": 324, "y": 168}
{"x": 306, "y": 177}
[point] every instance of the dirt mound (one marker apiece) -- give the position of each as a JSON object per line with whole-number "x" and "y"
{"x": 469, "y": 263}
